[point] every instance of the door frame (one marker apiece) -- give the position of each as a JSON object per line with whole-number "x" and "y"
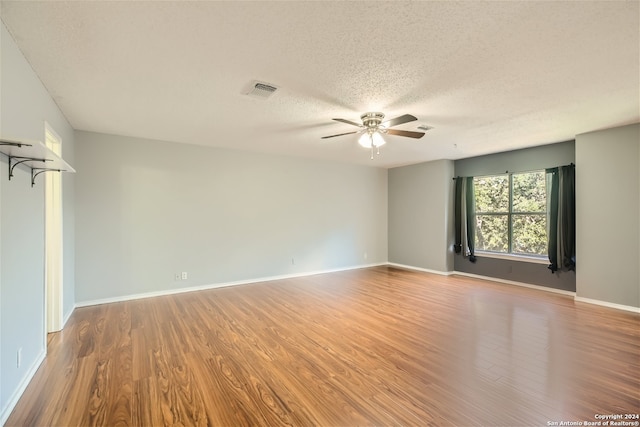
{"x": 54, "y": 266}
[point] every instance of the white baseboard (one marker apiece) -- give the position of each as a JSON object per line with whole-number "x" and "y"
{"x": 512, "y": 282}
{"x": 17, "y": 394}
{"x": 558, "y": 291}
{"x": 491, "y": 279}
{"x": 424, "y": 270}
{"x": 608, "y": 304}
{"x": 477, "y": 276}
{"x": 217, "y": 285}
{"x": 522, "y": 284}
{"x": 312, "y": 273}
{"x": 15, "y": 397}
{"x": 66, "y": 317}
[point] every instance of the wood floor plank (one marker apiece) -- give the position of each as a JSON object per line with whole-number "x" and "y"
{"x": 377, "y": 346}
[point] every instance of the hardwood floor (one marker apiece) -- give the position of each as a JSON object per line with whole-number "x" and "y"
{"x": 378, "y": 346}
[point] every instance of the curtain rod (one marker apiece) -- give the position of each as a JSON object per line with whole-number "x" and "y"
{"x": 532, "y": 170}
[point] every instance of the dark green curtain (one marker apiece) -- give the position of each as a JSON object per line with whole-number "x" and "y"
{"x": 464, "y": 217}
{"x": 561, "y": 220}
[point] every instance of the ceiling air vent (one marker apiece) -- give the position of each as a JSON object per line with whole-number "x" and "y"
{"x": 261, "y": 90}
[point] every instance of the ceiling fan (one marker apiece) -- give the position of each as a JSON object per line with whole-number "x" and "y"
{"x": 372, "y": 129}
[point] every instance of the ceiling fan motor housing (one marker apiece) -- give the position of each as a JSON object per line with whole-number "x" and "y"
{"x": 372, "y": 120}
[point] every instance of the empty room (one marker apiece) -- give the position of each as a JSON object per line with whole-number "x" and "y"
{"x": 319, "y": 213}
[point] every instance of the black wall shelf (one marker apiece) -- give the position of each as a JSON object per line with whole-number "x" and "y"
{"x": 33, "y": 154}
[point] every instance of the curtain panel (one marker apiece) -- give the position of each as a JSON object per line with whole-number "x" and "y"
{"x": 561, "y": 219}
{"x": 464, "y": 221}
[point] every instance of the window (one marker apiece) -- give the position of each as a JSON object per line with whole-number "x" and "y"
{"x": 511, "y": 213}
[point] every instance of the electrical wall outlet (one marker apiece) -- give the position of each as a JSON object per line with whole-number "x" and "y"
{"x": 185, "y": 276}
{"x": 19, "y": 357}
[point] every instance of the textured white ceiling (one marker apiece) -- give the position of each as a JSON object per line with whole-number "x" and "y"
{"x": 488, "y": 76}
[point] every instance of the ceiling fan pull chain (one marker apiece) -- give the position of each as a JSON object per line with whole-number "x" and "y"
{"x": 373, "y": 144}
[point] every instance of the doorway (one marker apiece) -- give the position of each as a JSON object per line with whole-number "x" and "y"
{"x": 53, "y": 238}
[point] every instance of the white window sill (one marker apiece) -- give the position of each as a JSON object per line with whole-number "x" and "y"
{"x": 512, "y": 257}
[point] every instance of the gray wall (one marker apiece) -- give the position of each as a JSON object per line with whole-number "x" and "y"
{"x": 607, "y": 227}
{"x": 528, "y": 159}
{"x": 148, "y": 209}
{"x": 420, "y": 214}
{"x": 541, "y": 157}
{"x": 25, "y": 106}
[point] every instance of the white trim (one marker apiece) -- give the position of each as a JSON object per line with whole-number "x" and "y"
{"x": 217, "y": 285}
{"x": 608, "y": 304}
{"x": 512, "y": 257}
{"x": 424, "y": 270}
{"x": 525, "y": 285}
{"x": 67, "y": 317}
{"x": 54, "y": 240}
{"x": 512, "y": 282}
{"x": 54, "y": 135}
{"x": 17, "y": 393}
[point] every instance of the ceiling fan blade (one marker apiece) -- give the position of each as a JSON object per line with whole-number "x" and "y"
{"x": 349, "y": 122}
{"x": 408, "y": 133}
{"x": 340, "y": 134}
{"x": 406, "y": 118}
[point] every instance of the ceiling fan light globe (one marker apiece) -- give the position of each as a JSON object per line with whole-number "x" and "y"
{"x": 365, "y": 140}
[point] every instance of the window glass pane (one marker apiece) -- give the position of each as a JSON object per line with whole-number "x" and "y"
{"x": 529, "y": 192}
{"x": 492, "y": 193}
{"x": 492, "y": 233}
{"x": 530, "y": 234}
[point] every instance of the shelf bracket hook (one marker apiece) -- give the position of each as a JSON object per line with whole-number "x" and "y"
{"x": 12, "y": 164}
{"x": 39, "y": 171}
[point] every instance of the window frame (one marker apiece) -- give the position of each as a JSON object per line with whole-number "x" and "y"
{"x": 510, "y": 214}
